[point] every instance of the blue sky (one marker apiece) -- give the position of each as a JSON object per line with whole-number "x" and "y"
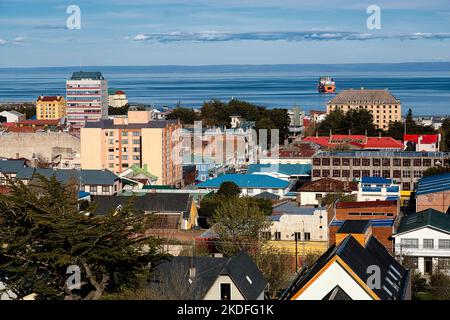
{"x": 201, "y": 32}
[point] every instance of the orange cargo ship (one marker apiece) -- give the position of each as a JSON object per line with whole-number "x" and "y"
{"x": 326, "y": 85}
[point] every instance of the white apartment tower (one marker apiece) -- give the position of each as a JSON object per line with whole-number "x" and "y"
{"x": 86, "y": 98}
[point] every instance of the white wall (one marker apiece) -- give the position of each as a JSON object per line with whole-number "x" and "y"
{"x": 334, "y": 275}
{"x": 214, "y": 292}
{"x": 285, "y": 160}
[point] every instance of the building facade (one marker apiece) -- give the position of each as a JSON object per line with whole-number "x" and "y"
{"x": 12, "y": 116}
{"x": 50, "y": 107}
{"x": 87, "y": 98}
{"x": 382, "y": 104}
{"x": 134, "y": 140}
{"x": 117, "y": 98}
{"x": 406, "y": 168}
{"x": 433, "y": 192}
{"x": 377, "y": 188}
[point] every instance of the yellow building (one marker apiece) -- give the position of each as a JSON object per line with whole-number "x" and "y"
{"x": 135, "y": 139}
{"x": 381, "y": 103}
{"x": 50, "y": 107}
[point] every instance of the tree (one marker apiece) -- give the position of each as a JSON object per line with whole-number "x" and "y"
{"x": 331, "y": 198}
{"x": 432, "y": 171}
{"x": 396, "y": 130}
{"x": 445, "y": 132}
{"x": 276, "y": 266}
{"x": 42, "y": 234}
{"x": 355, "y": 121}
{"x": 229, "y": 189}
{"x": 239, "y": 224}
{"x": 185, "y": 115}
{"x": 119, "y": 111}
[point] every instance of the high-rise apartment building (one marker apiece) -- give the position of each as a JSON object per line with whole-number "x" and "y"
{"x": 135, "y": 139}
{"x": 50, "y": 107}
{"x": 381, "y": 103}
{"x": 87, "y": 98}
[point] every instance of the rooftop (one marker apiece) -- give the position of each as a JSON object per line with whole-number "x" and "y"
{"x": 427, "y": 218}
{"x": 366, "y": 204}
{"x": 431, "y": 184}
{"x": 50, "y": 98}
{"x": 292, "y": 207}
{"x": 287, "y": 169}
{"x": 375, "y": 180}
{"x": 92, "y": 75}
{"x": 246, "y": 181}
{"x": 329, "y": 185}
{"x": 400, "y": 154}
{"x": 11, "y": 166}
{"x": 354, "y": 226}
{"x": 364, "y": 97}
{"x": 358, "y": 141}
{"x": 426, "y": 138}
{"x": 109, "y": 124}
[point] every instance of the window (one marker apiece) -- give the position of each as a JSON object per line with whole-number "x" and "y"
{"x": 427, "y": 162}
{"x": 307, "y": 236}
{"x": 376, "y": 162}
{"x": 366, "y": 173}
{"x": 376, "y": 173}
{"x": 417, "y": 162}
{"x": 325, "y": 173}
{"x": 225, "y": 291}
{"x": 136, "y": 133}
{"x": 397, "y": 163}
{"x": 346, "y": 162}
{"x": 316, "y": 173}
{"x": 444, "y": 263}
{"x": 124, "y": 133}
{"x": 356, "y": 162}
{"x": 336, "y": 161}
{"x": 386, "y": 162}
{"x": 316, "y": 161}
{"x": 428, "y": 244}
{"x": 93, "y": 189}
{"x": 346, "y": 173}
{"x": 411, "y": 261}
{"x": 326, "y": 161}
{"x": 111, "y": 157}
{"x": 277, "y": 235}
{"x": 124, "y": 157}
{"x": 136, "y": 158}
{"x": 125, "y": 141}
{"x": 386, "y": 173}
{"x": 406, "y": 186}
{"x": 417, "y": 174}
{"x": 444, "y": 244}
{"x": 297, "y": 235}
{"x": 136, "y": 149}
{"x": 406, "y": 162}
{"x": 266, "y": 235}
{"x": 356, "y": 174}
{"x": 397, "y": 174}
{"x": 319, "y": 196}
{"x": 336, "y": 173}
{"x": 410, "y": 243}
{"x": 111, "y": 141}
{"x": 105, "y": 189}
{"x": 136, "y": 141}
{"x": 406, "y": 174}
{"x": 366, "y": 162}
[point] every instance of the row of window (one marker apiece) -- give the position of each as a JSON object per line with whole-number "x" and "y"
{"x": 367, "y": 173}
{"x": 375, "y": 162}
{"x": 124, "y": 157}
{"x": 125, "y": 141}
{"x": 277, "y": 236}
{"x": 427, "y": 243}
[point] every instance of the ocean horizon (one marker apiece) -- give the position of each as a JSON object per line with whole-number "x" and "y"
{"x": 422, "y": 86}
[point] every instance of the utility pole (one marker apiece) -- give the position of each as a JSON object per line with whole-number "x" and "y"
{"x": 303, "y": 251}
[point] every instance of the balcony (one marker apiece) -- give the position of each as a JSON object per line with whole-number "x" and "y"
{"x": 422, "y": 251}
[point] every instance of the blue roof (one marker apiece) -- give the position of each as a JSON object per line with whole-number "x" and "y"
{"x": 392, "y": 198}
{"x": 86, "y": 177}
{"x": 83, "y": 194}
{"x": 11, "y": 166}
{"x": 374, "y": 222}
{"x": 246, "y": 181}
{"x": 430, "y": 184}
{"x": 375, "y": 180}
{"x": 288, "y": 169}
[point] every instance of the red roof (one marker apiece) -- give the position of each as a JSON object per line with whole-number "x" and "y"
{"x": 359, "y": 141}
{"x": 366, "y": 204}
{"x": 49, "y": 98}
{"x": 119, "y": 92}
{"x": 40, "y": 122}
{"x": 306, "y": 122}
{"x": 426, "y": 138}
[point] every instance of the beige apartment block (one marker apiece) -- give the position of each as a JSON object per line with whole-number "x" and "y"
{"x": 135, "y": 139}
{"x": 381, "y": 103}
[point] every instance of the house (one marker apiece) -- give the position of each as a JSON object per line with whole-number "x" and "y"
{"x": 377, "y": 188}
{"x": 12, "y": 116}
{"x": 282, "y": 171}
{"x": 382, "y": 215}
{"x": 433, "y": 192}
{"x": 250, "y": 184}
{"x": 171, "y": 210}
{"x": 96, "y": 182}
{"x": 356, "y": 142}
{"x": 312, "y": 193}
{"x": 136, "y": 177}
{"x": 422, "y": 142}
{"x": 209, "y": 278}
{"x": 346, "y": 271}
{"x": 291, "y": 221}
{"x": 9, "y": 169}
{"x": 117, "y": 98}
{"x": 423, "y": 239}
{"x": 297, "y": 152}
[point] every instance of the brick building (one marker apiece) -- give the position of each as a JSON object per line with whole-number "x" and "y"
{"x": 433, "y": 192}
{"x": 382, "y": 215}
{"x": 404, "y": 167}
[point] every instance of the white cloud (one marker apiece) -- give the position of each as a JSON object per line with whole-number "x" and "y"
{"x": 3, "y": 42}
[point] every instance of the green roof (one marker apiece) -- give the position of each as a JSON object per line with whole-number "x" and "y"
{"x": 158, "y": 187}
{"x": 427, "y": 218}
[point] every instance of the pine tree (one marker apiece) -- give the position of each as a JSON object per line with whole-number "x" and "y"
{"x": 42, "y": 233}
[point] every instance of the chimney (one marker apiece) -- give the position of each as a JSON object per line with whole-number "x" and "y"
{"x": 361, "y": 230}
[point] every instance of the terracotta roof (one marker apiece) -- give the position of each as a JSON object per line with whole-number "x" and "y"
{"x": 426, "y": 138}
{"x": 364, "y": 97}
{"x": 366, "y": 204}
{"x": 329, "y": 185}
{"x": 40, "y": 122}
{"x": 119, "y": 92}
{"x": 50, "y": 98}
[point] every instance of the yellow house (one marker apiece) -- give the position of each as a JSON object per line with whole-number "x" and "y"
{"x": 50, "y": 107}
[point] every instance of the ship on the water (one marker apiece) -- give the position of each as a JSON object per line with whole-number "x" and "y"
{"x": 326, "y": 85}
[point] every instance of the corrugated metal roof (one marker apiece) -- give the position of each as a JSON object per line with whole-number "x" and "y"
{"x": 375, "y": 180}
{"x": 246, "y": 181}
{"x": 431, "y": 184}
{"x": 287, "y": 169}
{"x": 429, "y": 217}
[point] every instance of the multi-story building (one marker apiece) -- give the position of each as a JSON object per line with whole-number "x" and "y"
{"x": 381, "y": 103}
{"x": 50, "y": 107}
{"x": 377, "y": 188}
{"x": 87, "y": 98}
{"x": 117, "y": 98}
{"x": 356, "y": 142}
{"x": 135, "y": 139}
{"x": 404, "y": 167}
